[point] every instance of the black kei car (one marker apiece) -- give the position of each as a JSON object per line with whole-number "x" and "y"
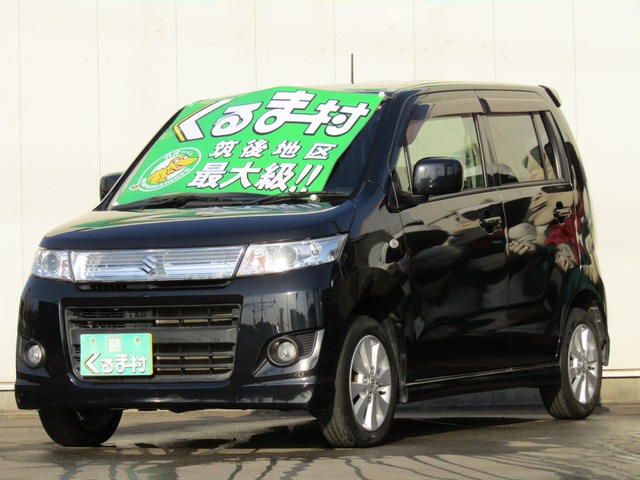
{"x": 338, "y": 251}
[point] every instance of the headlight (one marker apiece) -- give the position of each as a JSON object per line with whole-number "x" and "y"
{"x": 281, "y": 257}
{"x": 52, "y": 264}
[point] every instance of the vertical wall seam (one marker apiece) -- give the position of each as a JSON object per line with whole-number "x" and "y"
{"x": 20, "y": 141}
{"x": 99, "y": 93}
{"x": 415, "y": 45}
{"x": 493, "y": 33}
{"x": 255, "y": 44}
{"x": 335, "y": 43}
{"x": 575, "y": 67}
{"x": 177, "y": 52}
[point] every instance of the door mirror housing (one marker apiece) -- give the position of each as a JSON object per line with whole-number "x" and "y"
{"x": 107, "y": 182}
{"x": 437, "y": 176}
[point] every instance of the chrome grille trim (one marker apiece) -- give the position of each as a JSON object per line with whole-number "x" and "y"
{"x": 175, "y": 264}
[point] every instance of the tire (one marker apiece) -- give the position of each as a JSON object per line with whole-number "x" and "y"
{"x": 366, "y": 388}
{"x": 577, "y": 393}
{"x": 72, "y": 428}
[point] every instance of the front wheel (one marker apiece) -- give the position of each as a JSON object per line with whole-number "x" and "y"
{"x": 366, "y": 388}
{"x": 71, "y": 428}
{"x": 576, "y": 395}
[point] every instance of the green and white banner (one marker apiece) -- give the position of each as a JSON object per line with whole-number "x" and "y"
{"x": 271, "y": 141}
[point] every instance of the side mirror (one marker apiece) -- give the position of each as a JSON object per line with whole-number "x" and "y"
{"x": 107, "y": 182}
{"x": 437, "y": 176}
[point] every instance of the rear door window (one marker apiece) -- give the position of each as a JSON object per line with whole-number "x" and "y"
{"x": 521, "y": 149}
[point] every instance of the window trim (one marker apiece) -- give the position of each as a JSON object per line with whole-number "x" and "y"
{"x": 543, "y": 155}
{"x": 553, "y": 131}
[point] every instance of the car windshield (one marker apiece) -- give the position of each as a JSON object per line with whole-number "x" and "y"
{"x": 283, "y": 142}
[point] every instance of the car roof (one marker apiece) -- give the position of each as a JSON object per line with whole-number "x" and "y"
{"x": 408, "y": 88}
{"x": 395, "y": 88}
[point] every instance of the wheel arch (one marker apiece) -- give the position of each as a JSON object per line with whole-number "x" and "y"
{"x": 588, "y": 299}
{"x": 382, "y": 311}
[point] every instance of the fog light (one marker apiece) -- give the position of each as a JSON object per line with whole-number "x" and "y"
{"x": 34, "y": 355}
{"x": 283, "y": 352}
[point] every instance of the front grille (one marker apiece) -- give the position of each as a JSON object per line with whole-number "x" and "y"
{"x": 190, "y": 342}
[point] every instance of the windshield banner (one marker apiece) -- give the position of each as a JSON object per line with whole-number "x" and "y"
{"x": 271, "y": 141}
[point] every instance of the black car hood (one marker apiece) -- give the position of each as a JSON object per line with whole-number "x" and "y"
{"x": 166, "y": 228}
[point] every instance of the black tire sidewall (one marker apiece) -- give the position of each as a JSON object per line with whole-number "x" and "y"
{"x": 71, "y": 428}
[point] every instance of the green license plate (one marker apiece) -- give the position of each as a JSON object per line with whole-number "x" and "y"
{"x": 116, "y": 355}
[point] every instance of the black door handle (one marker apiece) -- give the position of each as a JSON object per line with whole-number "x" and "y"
{"x": 561, "y": 212}
{"x": 490, "y": 224}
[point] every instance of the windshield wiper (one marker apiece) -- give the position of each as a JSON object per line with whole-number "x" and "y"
{"x": 298, "y": 197}
{"x": 202, "y": 201}
{"x": 182, "y": 200}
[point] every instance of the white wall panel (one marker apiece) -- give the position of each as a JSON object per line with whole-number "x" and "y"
{"x": 59, "y": 114}
{"x": 84, "y": 84}
{"x": 607, "y": 72}
{"x": 295, "y": 43}
{"x": 11, "y": 240}
{"x": 534, "y": 45}
{"x": 380, "y": 35}
{"x": 137, "y": 77}
{"x": 58, "y": 128}
{"x": 216, "y": 45}
{"x": 454, "y": 40}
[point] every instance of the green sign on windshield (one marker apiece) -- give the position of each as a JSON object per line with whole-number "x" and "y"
{"x": 271, "y": 141}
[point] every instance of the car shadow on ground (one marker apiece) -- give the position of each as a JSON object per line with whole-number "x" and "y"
{"x": 306, "y": 433}
{"x": 288, "y": 431}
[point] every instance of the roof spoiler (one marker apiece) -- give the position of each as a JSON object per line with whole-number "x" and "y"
{"x": 553, "y": 94}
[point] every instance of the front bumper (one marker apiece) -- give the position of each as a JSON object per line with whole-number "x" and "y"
{"x": 295, "y": 303}
{"x": 173, "y": 396}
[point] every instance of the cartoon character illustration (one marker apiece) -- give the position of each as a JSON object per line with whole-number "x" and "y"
{"x": 167, "y": 168}
{"x": 176, "y": 163}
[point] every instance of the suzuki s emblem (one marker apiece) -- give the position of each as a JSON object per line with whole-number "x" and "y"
{"x": 149, "y": 265}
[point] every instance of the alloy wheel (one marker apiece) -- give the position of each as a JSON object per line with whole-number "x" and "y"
{"x": 584, "y": 367}
{"x": 370, "y": 386}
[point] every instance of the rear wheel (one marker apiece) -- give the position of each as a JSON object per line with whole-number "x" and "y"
{"x": 72, "y": 428}
{"x": 576, "y": 395}
{"x": 366, "y": 388}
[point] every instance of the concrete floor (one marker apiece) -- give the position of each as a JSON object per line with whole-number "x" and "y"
{"x": 469, "y": 442}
